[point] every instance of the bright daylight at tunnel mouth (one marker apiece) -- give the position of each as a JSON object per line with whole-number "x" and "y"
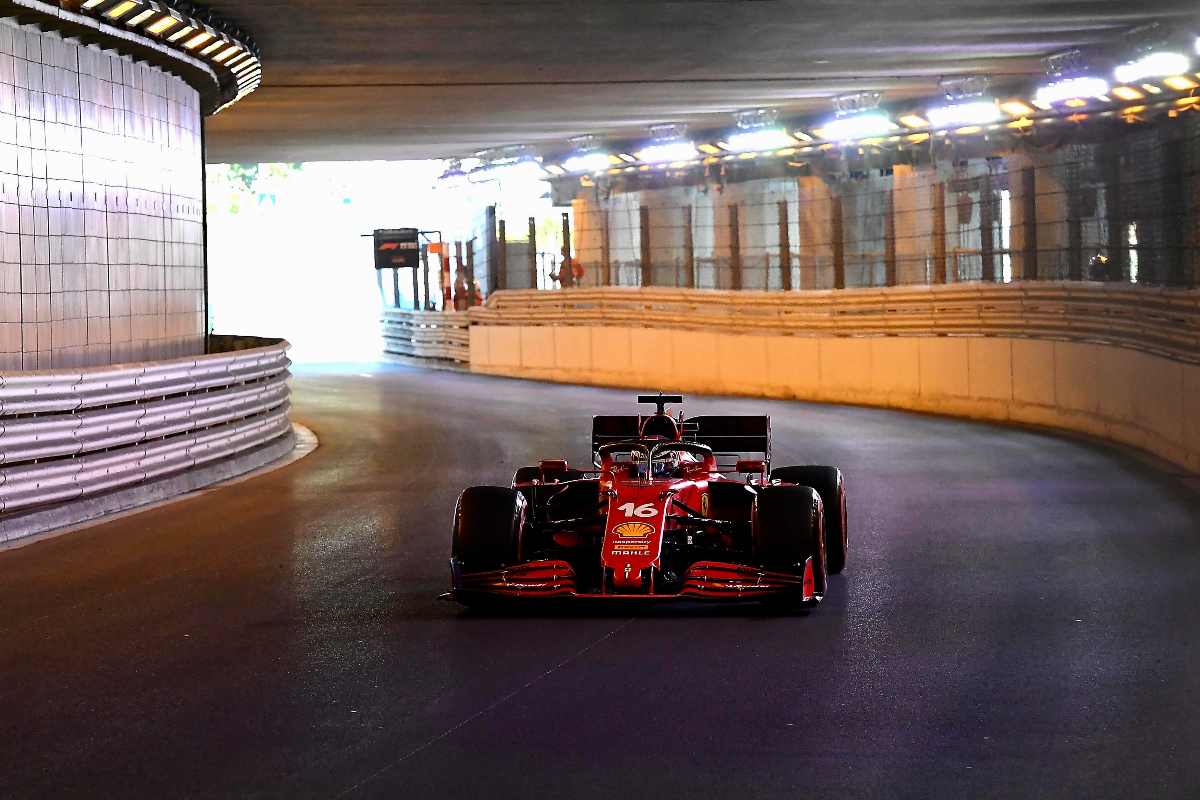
{"x": 748, "y": 398}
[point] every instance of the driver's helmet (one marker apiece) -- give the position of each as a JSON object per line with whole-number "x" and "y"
{"x": 666, "y": 465}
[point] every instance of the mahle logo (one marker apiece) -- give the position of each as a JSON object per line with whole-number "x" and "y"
{"x": 633, "y": 530}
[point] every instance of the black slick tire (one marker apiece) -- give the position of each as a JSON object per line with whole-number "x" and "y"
{"x": 488, "y": 523}
{"x": 789, "y": 529}
{"x": 830, "y": 485}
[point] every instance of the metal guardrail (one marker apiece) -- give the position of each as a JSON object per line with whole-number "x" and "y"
{"x": 1157, "y": 320}
{"x": 440, "y": 335}
{"x": 70, "y": 434}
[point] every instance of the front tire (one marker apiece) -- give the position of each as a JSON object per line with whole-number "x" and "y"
{"x": 488, "y": 525}
{"x": 788, "y": 530}
{"x": 830, "y": 485}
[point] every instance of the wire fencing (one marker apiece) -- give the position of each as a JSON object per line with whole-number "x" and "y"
{"x": 1121, "y": 208}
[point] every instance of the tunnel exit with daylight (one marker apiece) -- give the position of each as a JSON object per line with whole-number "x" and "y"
{"x": 464, "y": 399}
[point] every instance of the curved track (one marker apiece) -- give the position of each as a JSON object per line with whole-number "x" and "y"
{"x": 1018, "y": 619}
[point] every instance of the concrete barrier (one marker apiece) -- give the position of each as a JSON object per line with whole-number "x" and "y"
{"x": 1101, "y": 383}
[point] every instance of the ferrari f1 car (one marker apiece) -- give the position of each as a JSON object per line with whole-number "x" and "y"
{"x": 671, "y": 508}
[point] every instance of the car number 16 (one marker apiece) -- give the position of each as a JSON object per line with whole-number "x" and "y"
{"x": 644, "y": 510}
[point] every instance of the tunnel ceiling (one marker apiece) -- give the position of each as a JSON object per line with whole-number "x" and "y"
{"x": 368, "y": 79}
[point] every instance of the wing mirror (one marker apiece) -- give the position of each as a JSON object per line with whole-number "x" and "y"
{"x": 748, "y": 466}
{"x": 552, "y": 469}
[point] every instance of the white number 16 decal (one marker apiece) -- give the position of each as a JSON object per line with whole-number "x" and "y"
{"x": 644, "y": 510}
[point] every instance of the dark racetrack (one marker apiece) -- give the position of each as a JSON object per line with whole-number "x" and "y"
{"x": 1019, "y": 618}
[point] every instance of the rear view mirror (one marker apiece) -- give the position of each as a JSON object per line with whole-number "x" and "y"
{"x": 749, "y": 466}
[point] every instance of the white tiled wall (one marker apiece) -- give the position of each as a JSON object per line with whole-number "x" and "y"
{"x": 101, "y": 224}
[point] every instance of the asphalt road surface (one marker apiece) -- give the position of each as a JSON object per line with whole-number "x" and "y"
{"x": 1019, "y": 618}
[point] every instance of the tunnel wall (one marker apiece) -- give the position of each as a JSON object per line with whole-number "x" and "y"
{"x": 101, "y": 218}
{"x": 1125, "y": 395}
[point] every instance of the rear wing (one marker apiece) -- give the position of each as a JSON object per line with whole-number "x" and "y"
{"x": 730, "y": 438}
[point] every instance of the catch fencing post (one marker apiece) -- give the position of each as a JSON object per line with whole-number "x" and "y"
{"x": 501, "y": 255}
{"x": 987, "y": 233}
{"x": 472, "y": 297}
{"x": 939, "y": 233}
{"x": 889, "y": 238}
{"x": 605, "y": 252}
{"x": 533, "y": 268}
{"x": 689, "y": 248}
{"x": 566, "y": 273}
{"x": 735, "y": 249}
{"x": 785, "y": 248}
{"x": 1029, "y": 204}
{"x": 644, "y": 226}
{"x": 425, "y": 269}
{"x": 839, "y": 244}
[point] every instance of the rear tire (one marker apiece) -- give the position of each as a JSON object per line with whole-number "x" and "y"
{"x": 829, "y": 484}
{"x": 788, "y": 530}
{"x": 488, "y": 524}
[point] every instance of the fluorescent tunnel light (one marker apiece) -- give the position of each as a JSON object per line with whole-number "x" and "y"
{"x": 761, "y": 139}
{"x": 667, "y": 151}
{"x": 857, "y": 126}
{"x": 587, "y": 162}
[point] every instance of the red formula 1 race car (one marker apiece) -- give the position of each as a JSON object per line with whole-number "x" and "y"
{"x": 672, "y": 508}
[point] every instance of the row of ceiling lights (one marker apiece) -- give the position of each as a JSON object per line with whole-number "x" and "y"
{"x": 186, "y": 32}
{"x": 969, "y": 109}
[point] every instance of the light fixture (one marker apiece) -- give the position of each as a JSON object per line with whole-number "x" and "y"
{"x": 802, "y": 136}
{"x": 757, "y": 131}
{"x": 197, "y": 40}
{"x": 857, "y": 117}
{"x": 140, "y": 17}
{"x": 186, "y": 30}
{"x": 594, "y": 161}
{"x": 762, "y": 139}
{"x": 668, "y": 145}
{"x": 914, "y": 121}
{"x": 710, "y": 149}
{"x": 1070, "y": 89}
{"x": 667, "y": 151}
{"x": 970, "y": 112}
{"x": 627, "y": 158}
{"x": 1158, "y": 64}
{"x": 555, "y": 169}
{"x": 1015, "y": 108}
{"x": 1180, "y": 83}
{"x": 1151, "y": 88}
{"x": 223, "y": 56}
{"x": 162, "y": 25}
{"x": 219, "y": 44}
{"x": 509, "y": 164}
{"x": 1126, "y": 93}
{"x": 858, "y": 126}
{"x": 121, "y": 9}
{"x": 88, "y": 5}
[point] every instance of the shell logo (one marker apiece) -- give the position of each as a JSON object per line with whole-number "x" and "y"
{"x": 633, "y": 530}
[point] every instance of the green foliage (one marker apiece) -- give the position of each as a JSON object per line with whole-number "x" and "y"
{"x": 237, "y": 185}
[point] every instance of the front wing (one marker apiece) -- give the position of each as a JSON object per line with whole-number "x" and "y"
{"x": 706, "y": 580}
